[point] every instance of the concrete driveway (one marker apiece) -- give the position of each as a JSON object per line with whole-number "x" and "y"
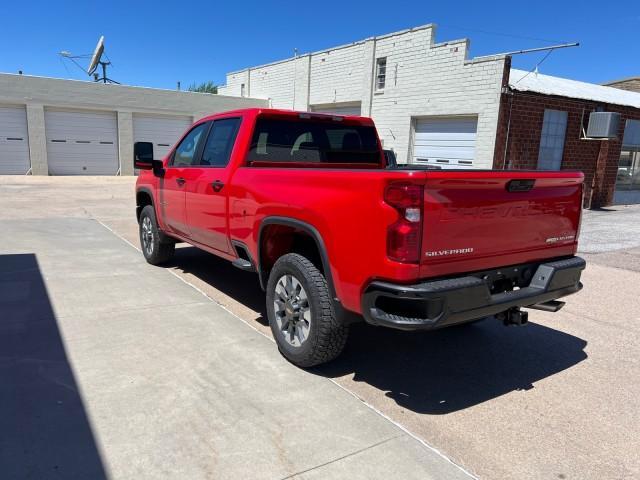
{"x": 112, "y": 368}
{"x": 555, "y": 399}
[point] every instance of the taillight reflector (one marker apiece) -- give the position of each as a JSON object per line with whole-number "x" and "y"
{"x": 405, "y": 234}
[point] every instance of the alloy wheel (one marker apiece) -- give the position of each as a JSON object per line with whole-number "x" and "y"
{"x": 292, "y": 310}
{"x": 147, "y": 235}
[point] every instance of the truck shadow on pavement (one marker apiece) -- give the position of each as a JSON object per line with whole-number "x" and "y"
{"x": 447, "y": 370}
{"x": 44, "y": 429}
{"x": 434, "y": 373}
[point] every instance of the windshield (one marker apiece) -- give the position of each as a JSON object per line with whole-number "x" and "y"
{"x": 313, "y": 141}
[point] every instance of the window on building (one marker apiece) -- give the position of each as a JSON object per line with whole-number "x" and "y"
{"x": 381, "y": 73}
{"x": 628, "y": 177}
{"x": 632, "y": 134}
{"x": 242, "y": 90}
{"x": 554, "y": 127}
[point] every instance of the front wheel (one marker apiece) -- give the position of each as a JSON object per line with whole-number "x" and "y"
{"x": 301, "y": 313}
{"x": 154, "y": 248}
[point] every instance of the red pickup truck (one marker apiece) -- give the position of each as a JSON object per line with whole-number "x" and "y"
{"x": 308, "y": 202}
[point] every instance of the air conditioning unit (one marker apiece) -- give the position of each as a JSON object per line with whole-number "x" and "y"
{"x": 603, "y": 125}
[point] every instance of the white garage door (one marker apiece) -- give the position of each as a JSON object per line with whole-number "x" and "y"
{"x": 353, "y": 109}
{"x": 81, "y": 142}
{"x": 14, "y": 141}
{"x": 449, "y": 142}
{"x": 162, "y": 131}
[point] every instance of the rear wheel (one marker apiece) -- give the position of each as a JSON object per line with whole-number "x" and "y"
{"x": 301, "y": 313}
{"x": 155, "y": 248}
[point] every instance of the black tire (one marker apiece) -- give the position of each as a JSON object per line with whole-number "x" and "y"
{"x": 155, "y": 247}
{"x": 326, "y": 335}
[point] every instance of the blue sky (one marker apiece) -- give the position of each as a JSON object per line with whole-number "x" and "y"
{"x": 158, "y": 43}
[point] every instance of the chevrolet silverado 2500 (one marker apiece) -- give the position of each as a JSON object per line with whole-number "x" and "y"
{"x": 307, "y": 202}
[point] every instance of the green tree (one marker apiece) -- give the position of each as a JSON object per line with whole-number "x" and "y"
{"x": 205, "y": 87}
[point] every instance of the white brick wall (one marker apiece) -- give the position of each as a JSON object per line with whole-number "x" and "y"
{"x": 234, "y": 81}
{"x": 337, "y": 75}
{"x": 423, "y": 79}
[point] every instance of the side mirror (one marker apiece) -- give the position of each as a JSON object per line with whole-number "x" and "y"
{"x": 143, "y": 155}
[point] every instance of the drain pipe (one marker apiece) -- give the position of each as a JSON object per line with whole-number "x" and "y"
{"x": 506, "y": 141}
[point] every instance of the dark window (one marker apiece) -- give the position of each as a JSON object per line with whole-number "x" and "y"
{"x": 311, "y": 141}
{"x": 186, "y": 151}
{"x": 220, "y": 142}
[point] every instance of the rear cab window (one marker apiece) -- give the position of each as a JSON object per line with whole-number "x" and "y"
{"x": 313, "y": 142}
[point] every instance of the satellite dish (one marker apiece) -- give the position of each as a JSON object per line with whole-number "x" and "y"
{"x": 96, "y": 60}
{"x": 96, "y": 57}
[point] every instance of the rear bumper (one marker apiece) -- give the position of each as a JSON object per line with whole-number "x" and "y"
{"x": 440, "y": 303}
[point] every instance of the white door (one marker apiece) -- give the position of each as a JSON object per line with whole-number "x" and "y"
{"x": 81, "y": 142}
{"x": 352, "y": 109}
{"x": 14, "y": 141}
{"x": 162, "y": 131}
{"x": 449, "y": 142}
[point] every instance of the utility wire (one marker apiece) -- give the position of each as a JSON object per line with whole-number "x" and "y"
{"x": 65, "y": 66}
{"x": 487, "y": 32}
{"x": 536, "y": 66}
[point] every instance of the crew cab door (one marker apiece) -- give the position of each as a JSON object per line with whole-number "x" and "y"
{"x": 207, "y": 192}
{"x": 178, "y": 173}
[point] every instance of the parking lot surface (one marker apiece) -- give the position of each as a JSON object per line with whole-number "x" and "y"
{"x": 112, "y": 368}
{"x": 160, "y": 380}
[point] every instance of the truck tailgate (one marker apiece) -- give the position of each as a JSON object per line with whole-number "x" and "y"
{"x": 486, "y": 219}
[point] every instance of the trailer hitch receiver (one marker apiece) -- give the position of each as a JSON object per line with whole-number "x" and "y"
{"x": 513, "y": 316}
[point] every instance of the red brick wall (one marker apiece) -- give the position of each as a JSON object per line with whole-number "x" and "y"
{"x": 526, "y": 112}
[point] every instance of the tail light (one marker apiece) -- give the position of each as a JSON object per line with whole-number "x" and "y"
{"x": 404, "y": 236}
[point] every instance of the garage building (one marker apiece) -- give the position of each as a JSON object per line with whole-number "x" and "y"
{"x": 52, "y": 126}
{"x": 431, "y": 103}
{"x": 545, "y": 123}
{"x": 435, "y": 106}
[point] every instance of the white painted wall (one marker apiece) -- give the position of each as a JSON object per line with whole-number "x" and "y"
{"x": 38, "y": 93}
{"x": 424, "y": 79}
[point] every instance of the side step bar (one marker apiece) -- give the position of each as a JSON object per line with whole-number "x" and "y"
{"x": 243, "y": 264}
{"x": 550, "y": 306}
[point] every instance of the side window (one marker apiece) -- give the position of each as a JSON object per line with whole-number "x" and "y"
{"x": 381, "y": 73}
{"x": 217, "y": 150}
{"x": 185, "y": 153}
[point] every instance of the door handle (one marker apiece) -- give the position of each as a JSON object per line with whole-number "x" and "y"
{"x": 217, "y": 185}
{"x": 180, "y": 181}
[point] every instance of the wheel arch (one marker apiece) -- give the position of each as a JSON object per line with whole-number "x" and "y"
{"x": 296, "y": 226}
{"x": 144, "y": 197}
